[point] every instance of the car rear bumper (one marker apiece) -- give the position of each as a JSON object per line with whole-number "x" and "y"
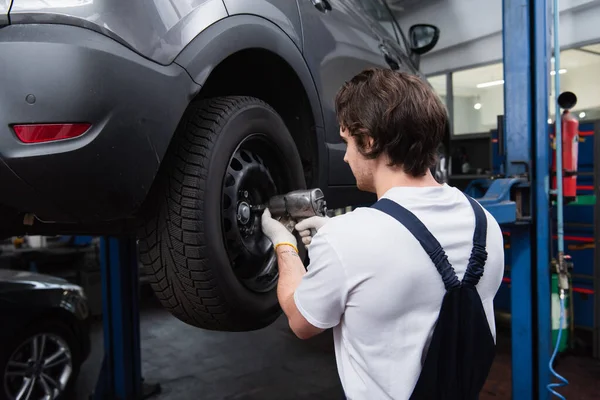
{"x": 65, "y": 74}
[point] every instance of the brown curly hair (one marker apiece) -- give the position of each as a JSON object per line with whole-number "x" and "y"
{"x": 401, "y": 112}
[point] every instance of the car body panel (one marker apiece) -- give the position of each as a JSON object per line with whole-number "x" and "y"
{"x": 99, "y": 58}
{"x": 372, "y": 13}
{"x": 283, "y": 13}
{"x": 337, "y": 45}
{"x": 4, "y": 8}
{"x": 95, "y": 177}
{"x": 158, "y": 30}
{"x": 241, "y": 32}
{"x": 25, "y": 294}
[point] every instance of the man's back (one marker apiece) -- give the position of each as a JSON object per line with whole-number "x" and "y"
{"x": 391, "y": 292}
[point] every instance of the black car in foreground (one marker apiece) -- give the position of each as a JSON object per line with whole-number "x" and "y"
{"x": 44, "y": 337}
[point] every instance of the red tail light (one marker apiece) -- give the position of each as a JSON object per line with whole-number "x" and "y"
{"x": 38, "y": 133}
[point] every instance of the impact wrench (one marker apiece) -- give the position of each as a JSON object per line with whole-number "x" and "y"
{"x": 298, "y": 205}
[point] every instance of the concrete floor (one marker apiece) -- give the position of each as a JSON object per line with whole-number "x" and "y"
{"x": 190, "y": 363}
{"x": 273, "y": 364}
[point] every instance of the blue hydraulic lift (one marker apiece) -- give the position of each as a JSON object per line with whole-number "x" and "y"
{"x": 121, "y": 372}
{"x": 520, "y": 202}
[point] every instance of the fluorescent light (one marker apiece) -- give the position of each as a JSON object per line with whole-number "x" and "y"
{"x": 560, "y": 72}
{"x": 501, "y": 81}
{"x": 492, "y": 83}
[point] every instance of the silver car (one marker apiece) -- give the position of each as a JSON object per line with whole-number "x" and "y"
{"x": 159, "y": 118}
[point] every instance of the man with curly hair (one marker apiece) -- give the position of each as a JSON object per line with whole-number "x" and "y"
{"x": 401, "y": 283}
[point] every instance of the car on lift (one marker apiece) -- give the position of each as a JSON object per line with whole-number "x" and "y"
{"x": 45, "y": 335}
{"x": 160, "y": 118}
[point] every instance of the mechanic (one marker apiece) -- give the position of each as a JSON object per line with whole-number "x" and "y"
{"x": 379, "y": 275}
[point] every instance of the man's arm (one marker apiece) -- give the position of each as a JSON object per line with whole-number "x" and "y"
{"x": 291, "y": 271}
{"x": 315, "y": 300}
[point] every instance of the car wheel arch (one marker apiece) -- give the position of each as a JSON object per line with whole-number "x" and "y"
{"x": 213, "y": 56}
{"x": 242, "y": 32}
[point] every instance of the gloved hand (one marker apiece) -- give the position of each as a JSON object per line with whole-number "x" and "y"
{"x": 277, "y": 233}
{"x": 303, "y": 227}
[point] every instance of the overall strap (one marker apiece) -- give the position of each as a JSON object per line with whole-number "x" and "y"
{"x": 429, "y": 243}
{"x": 478, "y": 253}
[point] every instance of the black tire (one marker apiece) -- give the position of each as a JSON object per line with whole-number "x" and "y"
{"x": 187, "y": 245}
{"x": 48, "y": 326}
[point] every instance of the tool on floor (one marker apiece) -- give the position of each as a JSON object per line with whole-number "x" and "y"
{"x": 298, "y": 204}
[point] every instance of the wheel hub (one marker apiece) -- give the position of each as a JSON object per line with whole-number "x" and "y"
{"x": 243, "y": 214}
{"x": 248, "y": 184}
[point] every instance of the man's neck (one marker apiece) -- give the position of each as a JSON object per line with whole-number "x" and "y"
{"x": 387, "y": 178}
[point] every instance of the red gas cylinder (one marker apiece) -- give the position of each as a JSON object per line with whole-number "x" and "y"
{"x": 570, "y": 146}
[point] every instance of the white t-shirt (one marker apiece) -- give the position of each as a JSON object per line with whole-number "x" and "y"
{"x": 371, "y": 281}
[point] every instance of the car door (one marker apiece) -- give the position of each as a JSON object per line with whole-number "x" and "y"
{"x": 337, "y": 44}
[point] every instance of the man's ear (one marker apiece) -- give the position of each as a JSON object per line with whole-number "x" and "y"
{"x": 369, "y": 143}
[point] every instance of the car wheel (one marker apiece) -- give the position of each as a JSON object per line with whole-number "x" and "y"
{"x": 41, "y": 363}
{"x": 202, "y": 244}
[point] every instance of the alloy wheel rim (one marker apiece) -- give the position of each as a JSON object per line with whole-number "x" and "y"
{"x": 40, "y": 368}
{"x": 248, "y": 184}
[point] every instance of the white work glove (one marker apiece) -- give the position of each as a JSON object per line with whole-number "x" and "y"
{"x": 304, "y": 228}
{"x": 277, "y": 232}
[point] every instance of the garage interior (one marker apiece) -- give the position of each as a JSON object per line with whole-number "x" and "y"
{"x": 488, "y": 66}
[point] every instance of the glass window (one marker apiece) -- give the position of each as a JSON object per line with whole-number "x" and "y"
{"x": 438, "y": 82}
{"x": 579, "y": 74}
{"x": 478, "y": 99}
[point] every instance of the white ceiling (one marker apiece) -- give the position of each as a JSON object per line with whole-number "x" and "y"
{"x": 465, "y": 82}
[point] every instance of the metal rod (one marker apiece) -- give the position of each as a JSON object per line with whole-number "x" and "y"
{"x": 558, "y": 129}
{"x": 541, "y": 12}
{"x": 596, "y": 329}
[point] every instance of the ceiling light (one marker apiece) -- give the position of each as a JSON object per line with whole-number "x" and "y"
{"x": 492, "y": 83}
{"x": 477, "y": 106}
{"x": 549, "y": 120}
{"x": 560, "y": 71}
{"x": 582, "y": 114}
{"x": 501, "y": 81}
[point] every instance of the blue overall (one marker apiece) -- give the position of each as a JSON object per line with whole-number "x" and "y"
{"x": 462, "y": 347}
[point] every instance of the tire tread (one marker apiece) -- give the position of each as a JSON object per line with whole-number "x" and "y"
{"x": 170, "y": 243}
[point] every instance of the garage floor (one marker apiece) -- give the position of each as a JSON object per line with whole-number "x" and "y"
{"x": 272, "y": 364}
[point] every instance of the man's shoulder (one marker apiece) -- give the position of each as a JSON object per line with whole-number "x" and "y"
{"x": 360, "y": 217}
{"x": 359, "y": 229}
